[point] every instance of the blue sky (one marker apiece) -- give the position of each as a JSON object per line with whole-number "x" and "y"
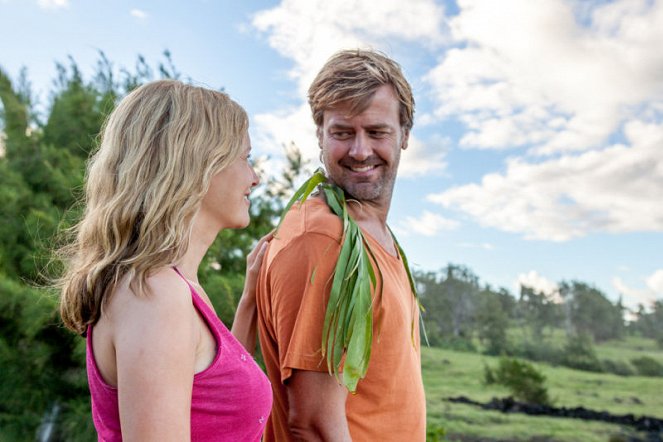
{"x": 536, "y": 154}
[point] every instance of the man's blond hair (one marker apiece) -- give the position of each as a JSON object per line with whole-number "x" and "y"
{"x": 353, "y": 76}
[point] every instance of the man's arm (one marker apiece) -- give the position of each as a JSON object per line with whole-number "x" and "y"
{"x": 317, "y": 407}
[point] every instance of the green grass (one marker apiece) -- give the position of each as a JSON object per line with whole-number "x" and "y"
{"x": 448, "y": 373}
{"x": 629, "y": 348}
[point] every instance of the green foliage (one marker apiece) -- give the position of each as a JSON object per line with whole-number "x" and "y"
{"x": 449, "y": 298}
{"x": 492, "y": 323}
{"x": 524, "y": 381}
{"x": 538, "y": 312}
{"x": 618, "y": 367}
{"x": 435, "y": 433}
{"x": 590, "y": 312}
{"x": 579, "y": 353}
{"x": 647, "y": 366}
{"x": 38, "y": 359}
{"x": 649, "y": 323}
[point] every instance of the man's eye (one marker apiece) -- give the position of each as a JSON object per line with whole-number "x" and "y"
{"x": 341, "y": 135}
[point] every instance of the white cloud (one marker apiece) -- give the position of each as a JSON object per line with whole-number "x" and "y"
{"x": 631, "y": 297}
{"x": 615, "y": 190}
{"x": 53, "y": 4}
{"x": 539, "y": 283}
{"x": 428, "y": 224}
{"x": 276, "y": 129}
{"x": 532, "y": 74}
{"x": 423, "y": 157}
{"x": 138, "y": 13}
{"x": 309, "y": 31}
{"x": 655, "y": 282}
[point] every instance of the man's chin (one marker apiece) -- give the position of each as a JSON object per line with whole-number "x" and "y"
{"x": 363, "y": 191}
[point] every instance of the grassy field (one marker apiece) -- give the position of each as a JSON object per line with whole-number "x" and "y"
{"x": 448, "y": 373}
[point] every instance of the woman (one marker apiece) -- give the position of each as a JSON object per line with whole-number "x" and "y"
{"x": 171, "y": 171}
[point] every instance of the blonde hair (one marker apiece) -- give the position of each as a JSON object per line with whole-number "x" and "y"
{"x": 158, "y": 152}
{"x": 353, "y": 76}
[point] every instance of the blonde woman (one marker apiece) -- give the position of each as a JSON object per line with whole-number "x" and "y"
{"x": 171, "y": 171}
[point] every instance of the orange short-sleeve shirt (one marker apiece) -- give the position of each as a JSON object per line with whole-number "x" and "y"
{"x": 292, "y": 293}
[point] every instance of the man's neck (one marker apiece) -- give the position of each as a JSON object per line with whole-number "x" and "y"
{"x": 372, "y": 218}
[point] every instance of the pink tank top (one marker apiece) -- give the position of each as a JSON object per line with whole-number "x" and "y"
{"x": 231, "y": 399}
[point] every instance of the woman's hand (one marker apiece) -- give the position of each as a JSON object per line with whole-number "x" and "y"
{"x": 246, "y": 318}
{"x": 253, "y": 263}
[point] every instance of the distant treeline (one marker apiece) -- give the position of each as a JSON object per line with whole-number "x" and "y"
{"x": 463, "y": 314}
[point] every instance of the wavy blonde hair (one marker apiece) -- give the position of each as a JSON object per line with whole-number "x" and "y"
{"x": 159, "y": 149}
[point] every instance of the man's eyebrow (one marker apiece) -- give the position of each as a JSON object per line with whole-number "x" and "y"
{"x": 340, "y": 126}
{"x": 375, "y": 126}
{"x": 378, "y": 126}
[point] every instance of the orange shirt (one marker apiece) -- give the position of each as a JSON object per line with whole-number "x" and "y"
{"x": 389, "y": 404}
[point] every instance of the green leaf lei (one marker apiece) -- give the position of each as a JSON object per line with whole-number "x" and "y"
{"x": 348, "y": 325}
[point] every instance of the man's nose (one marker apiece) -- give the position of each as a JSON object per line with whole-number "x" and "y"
{"x": 361, "y": 147}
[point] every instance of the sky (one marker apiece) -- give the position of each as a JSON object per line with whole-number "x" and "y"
{"x": 537, "y": 151}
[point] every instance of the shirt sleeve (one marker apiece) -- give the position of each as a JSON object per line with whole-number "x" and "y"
{"x": 300, "y": 278}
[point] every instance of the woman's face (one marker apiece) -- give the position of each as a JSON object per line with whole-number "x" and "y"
{"x": 226, "y": 203}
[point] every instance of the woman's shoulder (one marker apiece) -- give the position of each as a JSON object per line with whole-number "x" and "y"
{"x": 165, "y": 294}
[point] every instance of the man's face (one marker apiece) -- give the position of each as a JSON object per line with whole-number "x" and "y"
{"x": 361, "y": 152}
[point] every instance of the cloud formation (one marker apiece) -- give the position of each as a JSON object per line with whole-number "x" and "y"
{"x": 138, "y": 13}
{"x": 547, "y": 76}
{"x": 617, "y": 189}
{"x": 539, "y": 283}
{"x": 655, "y": 282}
{"x": 428, "y": 224}
{"x": 632, "y": 297}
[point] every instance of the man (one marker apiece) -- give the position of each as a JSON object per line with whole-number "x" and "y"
{"x": 363, "y": 109}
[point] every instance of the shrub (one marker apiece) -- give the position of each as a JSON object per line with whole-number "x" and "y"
{"x": 620, "y": 368}
{"x": 579, "y": 353}
{"x": 542, "y": 351}
{"x": 458, "y": 344}
{"x": 525, "y": 382}
{"x": 435, "y": 433}
{"x": 647, "y": 366}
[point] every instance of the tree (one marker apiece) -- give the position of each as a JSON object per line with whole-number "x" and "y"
{"x": 538, "y": 311}
{"x": 590, "y": 312}
{"x": 649, "y": 323}
{"x": 492, "y": 322}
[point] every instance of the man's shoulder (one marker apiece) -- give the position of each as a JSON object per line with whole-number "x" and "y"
{"x": 306, "y": 229}
{"x": 311, "y": 217}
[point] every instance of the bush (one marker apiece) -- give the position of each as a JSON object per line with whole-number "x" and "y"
{"x": 435, "y": 433}
{"x": 458, "y": 344}
{"x": 647, "y": 366}
{"x": 542, "y": 351}
{"x": 579, "y": 353}
{"x": 525, "y": 382}
{"x": 620, "y": 368}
